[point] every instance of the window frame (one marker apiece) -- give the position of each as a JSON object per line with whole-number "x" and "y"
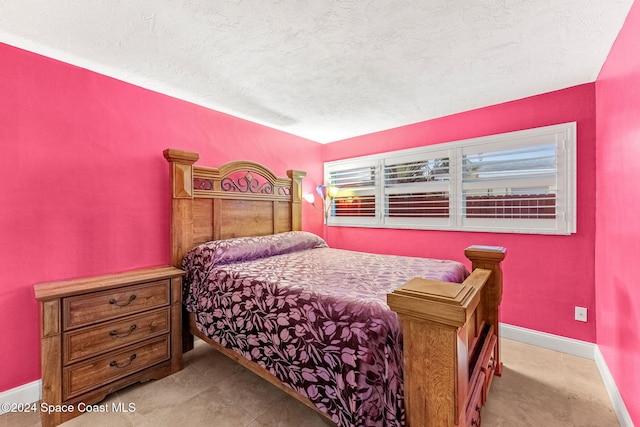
{"x": 564, "y": 136}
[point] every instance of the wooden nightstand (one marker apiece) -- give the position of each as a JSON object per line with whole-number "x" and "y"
{"x": 102, "y": 333}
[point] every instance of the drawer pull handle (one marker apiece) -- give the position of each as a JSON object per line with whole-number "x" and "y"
{"x": 116, "y": 365}
{"x": 115, "y": 334}
{"x": 113, "y": 301}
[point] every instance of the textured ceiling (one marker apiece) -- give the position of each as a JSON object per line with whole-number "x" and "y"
{"x": 327, "y": 70}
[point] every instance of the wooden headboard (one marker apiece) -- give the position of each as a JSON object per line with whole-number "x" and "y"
{"x": 237, "y": 199}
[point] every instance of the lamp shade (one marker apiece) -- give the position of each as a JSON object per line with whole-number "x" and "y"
{"x": 309, "y": 197}
{"x": 322, "y": 191}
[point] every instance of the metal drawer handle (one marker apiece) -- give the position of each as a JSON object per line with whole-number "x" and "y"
{"x": 114, "y": 333}
{"x": 115, "y": 302}
{"x": 115, "y": 363}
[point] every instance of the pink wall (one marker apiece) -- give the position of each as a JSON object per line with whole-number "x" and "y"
{"x": 618, "y": 224}
{"x": 85, "y": 189}
{"x": 546, "y": 276}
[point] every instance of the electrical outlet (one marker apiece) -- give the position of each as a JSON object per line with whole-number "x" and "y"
{"x": 581, "y": 314}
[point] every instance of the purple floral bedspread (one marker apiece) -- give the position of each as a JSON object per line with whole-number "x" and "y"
{"x": 314, "y": 317}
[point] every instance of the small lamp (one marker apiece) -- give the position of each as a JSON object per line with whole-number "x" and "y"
{"x": 327, "y": 194}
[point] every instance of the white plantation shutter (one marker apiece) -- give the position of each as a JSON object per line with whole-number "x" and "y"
{"x": 517, "y": 182}
{"x": 417, "y": 189}
{"x": 520, "y": 182}
{"x": 356, "y": 202}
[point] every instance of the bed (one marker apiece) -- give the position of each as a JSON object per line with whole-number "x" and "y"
{"x": 433, "y": 350}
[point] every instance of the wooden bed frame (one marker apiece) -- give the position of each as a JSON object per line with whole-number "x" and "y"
{"x": 451, "y": 341}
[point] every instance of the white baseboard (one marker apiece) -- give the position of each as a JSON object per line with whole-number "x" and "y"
{"x": 616, "y": 399}
{"x": 550, "y": 341}
{"x": 575, "y": 348}
{"x": 26, "y": 393}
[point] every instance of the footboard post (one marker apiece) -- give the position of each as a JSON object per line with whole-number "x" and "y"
{"x": 489, "y": 258}
{"x": 434, "y": 317}
{"x": 450, "y": 335}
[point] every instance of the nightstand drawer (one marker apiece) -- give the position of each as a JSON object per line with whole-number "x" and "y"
{"x": 99, "y": 306}
{"x": 86, "y": 342}
{"x": 84, "y": 376}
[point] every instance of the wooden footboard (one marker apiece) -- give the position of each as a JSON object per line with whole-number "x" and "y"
{"x": 451, "y": 342}
{"x": 451, "y": 345}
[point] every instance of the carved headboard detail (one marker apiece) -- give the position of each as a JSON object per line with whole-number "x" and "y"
{"x": 243, "y": 179}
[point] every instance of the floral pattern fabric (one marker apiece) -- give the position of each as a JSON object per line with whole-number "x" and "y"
{"x": 313, "y": 316}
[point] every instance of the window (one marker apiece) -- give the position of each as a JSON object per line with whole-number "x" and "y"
{"x": 515, "y": 182}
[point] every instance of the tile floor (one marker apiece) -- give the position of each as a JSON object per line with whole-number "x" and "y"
{"x": 539, "y": 387}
